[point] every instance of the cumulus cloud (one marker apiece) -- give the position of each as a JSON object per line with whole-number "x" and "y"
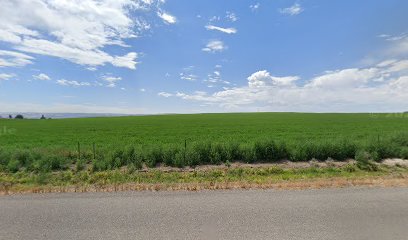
{"x": 214, "y": 46}
{"x": 380, "y": 87}
{"x": 167, "y": 18}
{"x": 14, "y": 59}
{"x": 42, "y": 76}
{"x": 264, "y": 78}
{"x": 295, "y": 9}
{"x": 224, "y": 30}
{"x": 77, "y": 30}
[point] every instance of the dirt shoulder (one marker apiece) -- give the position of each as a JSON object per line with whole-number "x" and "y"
{"x": 282, "y": 175}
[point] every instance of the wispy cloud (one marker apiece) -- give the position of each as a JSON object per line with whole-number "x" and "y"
{"x": 188, "y": 76}
{"x": 111, "y": 80}
{"x": 42, "y": 76}
{"x": 14, "y": 59}
{"x": 214, "y": 46}
{"x": 295, "y": 9}
{"x": 6, "y": 76}
{"x": 72, "y": 83}
{"x": 224, "y": 30}
{"x": 232, "y": 17}
{"x": 164, "y": 94}
{"x": 167, "y": 18}
{"x": 254, "y": 7}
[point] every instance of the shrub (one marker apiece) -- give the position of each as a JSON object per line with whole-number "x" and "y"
{"x": 154, "y": 156}
{"x": 79, "y": 165}
{"x": 131, "y": 157}
{"x": 169, "y": 155}
{"x": 404, "y": 153}
{"x": 401, "y": 139}
{"x": 382, "y": 149}
{"x": 100, "y": 164}
{"x": 218, "y": 153}
{"x": 13, "y": 165}
{"x": 364, "y": 162}
{"x": 270, "y": 151}
{"x": 248, "y": 153}
{"x": 179, "y": 160}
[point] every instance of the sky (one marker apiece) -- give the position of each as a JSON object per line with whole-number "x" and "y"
{"x": 181, "y": 56}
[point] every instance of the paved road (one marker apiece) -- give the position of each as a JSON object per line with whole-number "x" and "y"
{"x": 353, "y": 213}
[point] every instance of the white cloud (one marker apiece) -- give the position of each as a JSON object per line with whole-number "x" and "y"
{"x": 142, "y": 90}
{"x": 6, "y": 76}
{"x": 399, "y": 45}
{"x": 188, "y": 76}
{"x": 111, "y": 80}
{"x": 346, "y": 78}
{"x": 14, "y": 59}
{"x": 167, "y": 18}
{"x": 215, "y": 18}
{"x": 254, "y": 7}
{"x": 64, "y": 82}
{"x": 214, "y": 46}
{"x": 264, "y": 78}
{"x": 224, "y": 30}
{"x": 164, "y": 94}
{"x": 42, "y": 76}
{"x": 77, "y": 30}
{"x": 231, "y": 16}
{"x": 346, "y": 90}
{"x": 295, "y": 9}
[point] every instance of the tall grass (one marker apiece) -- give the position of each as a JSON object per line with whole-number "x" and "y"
{"x": 201, "y": 153}
{"x": 135, "y": 142}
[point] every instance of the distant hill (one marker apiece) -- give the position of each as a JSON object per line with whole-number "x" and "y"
{"x": 31, "y": 115}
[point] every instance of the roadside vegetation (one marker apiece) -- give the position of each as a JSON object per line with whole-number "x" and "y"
{"x": 46, "y": 150}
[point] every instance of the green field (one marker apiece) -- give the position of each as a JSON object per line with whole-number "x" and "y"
{"x": 35, "y": 145}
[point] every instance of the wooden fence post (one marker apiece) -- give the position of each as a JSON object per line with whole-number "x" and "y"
{"x": 94, "y": 151}
{"x": 79, "y": 151}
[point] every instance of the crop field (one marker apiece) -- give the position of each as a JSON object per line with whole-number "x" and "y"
{"x": 188, "y": 140}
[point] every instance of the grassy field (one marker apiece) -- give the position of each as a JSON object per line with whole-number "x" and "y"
{"x": 180, "y": 140}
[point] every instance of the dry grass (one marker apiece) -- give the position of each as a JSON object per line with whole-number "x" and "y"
{"x": 392, "y": 180}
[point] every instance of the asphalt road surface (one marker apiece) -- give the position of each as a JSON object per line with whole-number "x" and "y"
{"x": 351, "y": 213}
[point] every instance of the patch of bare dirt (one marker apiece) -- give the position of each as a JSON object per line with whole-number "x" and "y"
{"x": 395, "y": 162}
{"x": 285, "y": 164}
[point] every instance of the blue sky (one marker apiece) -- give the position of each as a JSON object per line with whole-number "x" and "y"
{"x": 148, "y": 56}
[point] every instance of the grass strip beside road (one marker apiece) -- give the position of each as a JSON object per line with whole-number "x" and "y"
{"x": 227, "y": 178}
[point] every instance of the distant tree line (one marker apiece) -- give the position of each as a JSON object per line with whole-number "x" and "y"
{"x": 20, "y": 116}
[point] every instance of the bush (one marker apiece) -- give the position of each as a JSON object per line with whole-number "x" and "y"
{"x": 13, "y": 166}
{"x": 270, "y": 151}
{"x": 339, "y": 150}
{"x": 131, "y": 157}
{"x": 154, "y": 156}
{"x": 248, "y": 153}
{"x": 404, "y": 153}
{"x": 364, "y": 162}
{"x": 383, "y": 149}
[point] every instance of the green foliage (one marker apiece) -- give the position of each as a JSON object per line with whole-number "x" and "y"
{"x": 365, "y": 162}
{"x": 13, "y": 165}
{"x": 44, "y": 146}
